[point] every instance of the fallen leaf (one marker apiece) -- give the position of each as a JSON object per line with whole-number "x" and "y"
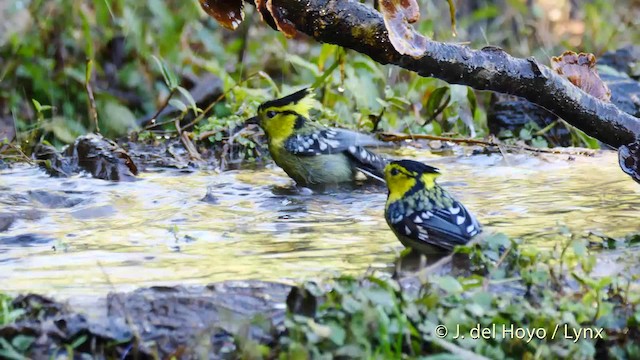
{"x": 228, "y": 13}
{"x": 580, "y": 70}
{"x": 398, "y": 16}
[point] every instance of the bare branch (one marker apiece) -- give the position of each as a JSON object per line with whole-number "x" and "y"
{"x": 359, "y": 27}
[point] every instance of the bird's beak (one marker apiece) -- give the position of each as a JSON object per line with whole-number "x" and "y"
{"x": 252, "y": 120}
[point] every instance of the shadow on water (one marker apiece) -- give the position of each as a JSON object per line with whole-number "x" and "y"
{"x": 85, "y": 237}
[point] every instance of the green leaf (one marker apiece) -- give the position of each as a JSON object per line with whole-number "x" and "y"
{"x": 590, "y": 142}
{"x": 40, "y": 108}
{"x": 495, "y": 241}
{"x": 297, "y": 351}
{"x": 22, "y": 343}
{"x": 437, "y": 100}
{"x": 36, "y": 104}
{"x": 326, "y": 51}
{"x": 604, "y": 281}
{"x": 79, "y": 341}
{"x": 539, "y": 142}
{"x": 8, "y": 352}
{"x": 379, "y": 296}
{"x": 449, "y": 284}
{"x": 525, "y": 134}
{"x": 325, "y": 75}
{"x": 579, "y": 247}
{"x": 270, "y": 81}
{"x": 169, "y": 78}
{"x": 338, "y": 334}
{"x": 190, "y": 100}
{"x": 351, "y": 305}
{"x": 86, "y": 32}
{"x": 323, "y": 331}
{"x": 585, "y": 281}
{"x": 475, "y": 309}
{"x": 350, "y": 351}
{"x": 303, "y": 63}
{"x": 179, "y": 105}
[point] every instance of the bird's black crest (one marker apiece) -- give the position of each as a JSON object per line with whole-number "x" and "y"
{"x": 289, "y": 99}
{"x": 417, "y": 167}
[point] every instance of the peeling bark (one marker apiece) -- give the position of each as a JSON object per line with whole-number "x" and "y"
{"x": 357, "y": 26}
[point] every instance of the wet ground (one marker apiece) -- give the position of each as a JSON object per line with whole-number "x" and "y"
{"x": 85, "y": 237}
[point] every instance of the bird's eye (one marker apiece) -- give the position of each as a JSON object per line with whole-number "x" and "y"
{"x": 394, "y": 172}
{"x": 271, "y": 114}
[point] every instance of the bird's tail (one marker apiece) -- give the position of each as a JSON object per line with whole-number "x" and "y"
{"x": 370, "y": 163}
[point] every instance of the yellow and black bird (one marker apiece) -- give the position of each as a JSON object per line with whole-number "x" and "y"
{"x": 423, "y": 215}
{"x": 310, "y": 153}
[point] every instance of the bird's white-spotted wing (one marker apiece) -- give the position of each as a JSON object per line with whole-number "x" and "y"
{"x": 444, "y": 228}
{"x": 328, "y": 141}
{"x": 335, "y": 141}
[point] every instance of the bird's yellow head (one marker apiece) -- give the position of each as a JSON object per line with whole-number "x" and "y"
{"x": 406, "y": 176}
{"x": 279, "y": 118}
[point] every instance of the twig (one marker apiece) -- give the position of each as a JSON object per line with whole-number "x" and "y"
{"x": 152, "y": 125}
{"x": 376, "y": 122}
{"x": 503, "y": 152}
{"x": 201, "y": 116}
{"x": 504, "y": 256}
{"x": 93, "y": 113}
{"x": 21, "y": 154}
{"x": 152, "y": 122}
{"x": 206, "y": 134}
{"x": 188, "y": 144}
{"x": 222, "y": 96}
{"x": 227, "y": 146}
{"x": 438, "y": 111}
{"x": 487, "y": 281}
{"x": 392, "y": 137}
{"x": 422, "y": 274}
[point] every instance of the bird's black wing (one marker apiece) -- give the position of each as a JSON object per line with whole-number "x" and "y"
{"x": 444, "y": 228}
{"x": 334, "y": 141}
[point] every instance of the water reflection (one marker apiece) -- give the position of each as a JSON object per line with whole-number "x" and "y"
{"x": 173, "y": 227}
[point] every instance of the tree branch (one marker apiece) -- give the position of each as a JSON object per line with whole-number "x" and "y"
{"x": 359, "y": 27}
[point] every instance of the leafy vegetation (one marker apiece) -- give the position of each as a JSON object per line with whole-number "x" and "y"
{"x": 500, "y": 301}
{"x": 19, "y": 345}
{"x": 62, "y": 54}
{"x": 8, "y": 314}
{"x": 515, "y": 303}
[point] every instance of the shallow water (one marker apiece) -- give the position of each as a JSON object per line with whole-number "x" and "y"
{"x": 99, "y": 236}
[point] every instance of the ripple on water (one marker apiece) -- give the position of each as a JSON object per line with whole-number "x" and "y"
{"x": 174, "y": 227}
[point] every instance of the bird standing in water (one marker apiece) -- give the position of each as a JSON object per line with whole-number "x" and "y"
{"x": 310, "y": 153}
{"x": 423, "y": 215}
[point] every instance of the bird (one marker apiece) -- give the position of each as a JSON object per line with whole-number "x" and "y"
{"x": 422, "y": 214}
{"x": 311, "y": 153}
